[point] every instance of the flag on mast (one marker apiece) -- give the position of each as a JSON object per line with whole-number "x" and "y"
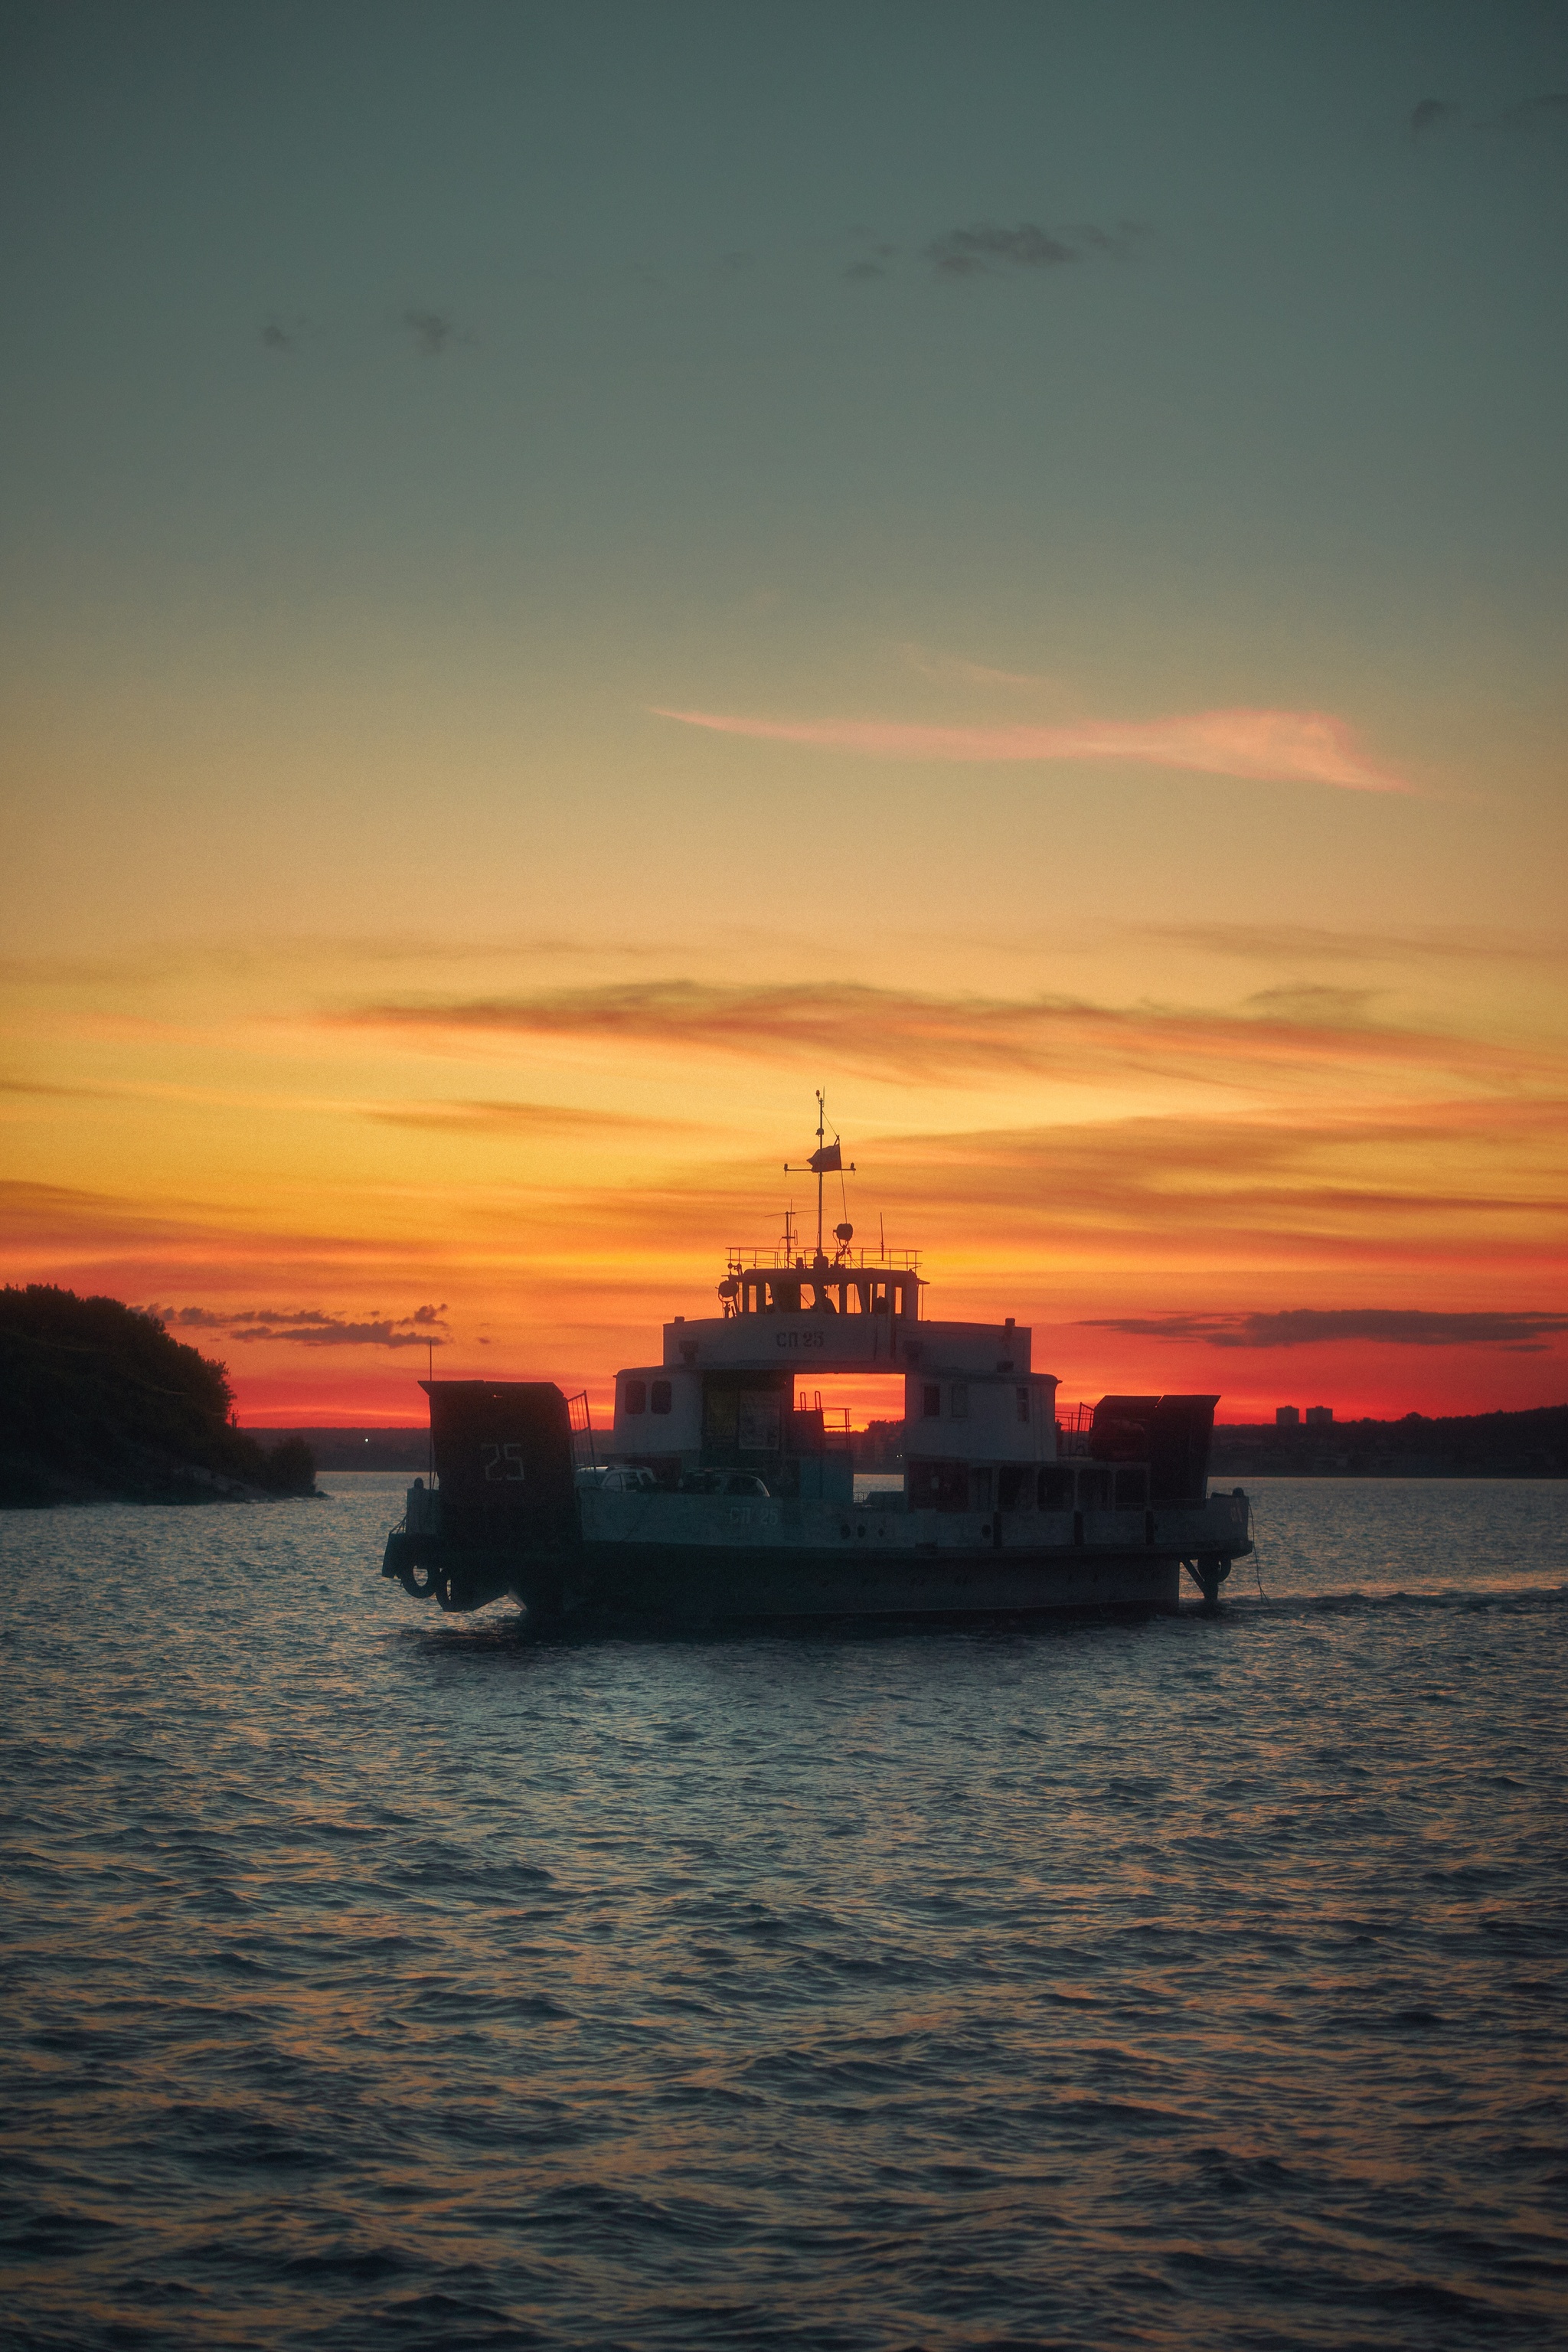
{"x": 826, "y": 1162}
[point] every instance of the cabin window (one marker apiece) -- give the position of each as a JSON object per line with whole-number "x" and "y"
{"x": 1094, "y": 1490}
{"x": 1129, "y": 1489}
{"x": 932, "y": 1400}
{"x": 1014, "y": 1488}
{"x": 662, "y": 1396}
{"x": 1055, "y": 1490}
{"x": 980, "y": 1490}
{"x": 961, "y": 1400}
{"x": 1022, "y": 1397}
{"x": 636, "y": 1396}
{"x": 938, "y": 1485}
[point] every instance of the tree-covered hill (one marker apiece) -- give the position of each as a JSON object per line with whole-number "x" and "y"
{"x": 97, "y": 1400}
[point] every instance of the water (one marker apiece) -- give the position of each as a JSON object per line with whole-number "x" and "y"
{"x": 371, "y": 1977}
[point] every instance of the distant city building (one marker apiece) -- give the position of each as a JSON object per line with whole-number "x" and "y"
{"x": 1287, "y": 1416}
{"x": 1317, "y": 1414}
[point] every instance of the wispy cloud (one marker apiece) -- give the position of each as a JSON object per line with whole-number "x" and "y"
{"x": 1103, "y": 1217}
{"x": 41, "y": 1088}
{"x": 433, "y": 332}
{"x": 1315, "y": 1004}
{"x": 894, "y": 1032}
{"x": 244, "y": 959}
{"x": 1546, "y": 110}
{"x": 312, "y": 1327}
{"x": 1265, "y": 746}
{"x": 1549, "y": 111}
{"x": 1430, "y": 1184}
{"x": 1309, "y": 944}
{"x": 988, "y": 249}
{"x": 1308, "y": 1327}
{"x": 874, "y": 261}
{"x": 519, "y": 1118}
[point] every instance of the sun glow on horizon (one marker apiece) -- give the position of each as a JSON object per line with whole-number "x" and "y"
{"x": 1306, "y": 1188}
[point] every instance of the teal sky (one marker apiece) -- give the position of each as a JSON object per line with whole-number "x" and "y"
{"x": 401, "y": 400}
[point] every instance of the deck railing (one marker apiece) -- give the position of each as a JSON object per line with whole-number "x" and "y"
{"x": 755, "y": 1261}
{"x": 581, "y": 1419}
{"x": 1074, "y": 1423}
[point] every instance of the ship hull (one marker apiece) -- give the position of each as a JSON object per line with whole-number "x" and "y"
{"x": 627, "y": 1582}
{"x": 714, "y": 1586}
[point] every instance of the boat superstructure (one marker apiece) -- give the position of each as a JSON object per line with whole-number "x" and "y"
{"x": 717, "y": 1493}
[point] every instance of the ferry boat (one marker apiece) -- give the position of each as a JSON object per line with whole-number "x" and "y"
{"x": 715, "y": 1496}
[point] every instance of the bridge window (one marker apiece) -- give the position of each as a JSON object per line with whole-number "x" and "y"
{"x": 636, "y": 1396}
{"x": 932, "y": 1400}
{"x": 662, "y": 1396}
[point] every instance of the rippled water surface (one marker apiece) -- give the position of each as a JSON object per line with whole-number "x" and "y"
{"x": 372, "y": 1978}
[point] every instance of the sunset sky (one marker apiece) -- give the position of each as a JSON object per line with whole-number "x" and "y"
{"x": 571, "y": 574}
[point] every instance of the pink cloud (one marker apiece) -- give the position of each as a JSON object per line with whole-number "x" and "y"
{"x": 1272, "y": 746}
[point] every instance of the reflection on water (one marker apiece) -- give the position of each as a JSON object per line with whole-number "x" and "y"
{"x": 373, "y": 1977}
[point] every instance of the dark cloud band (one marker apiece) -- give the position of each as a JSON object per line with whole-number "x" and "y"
{"x": 986, "y": 249}
{"x": 314, "y": 1327}
{"x": 1306, "y": 1327}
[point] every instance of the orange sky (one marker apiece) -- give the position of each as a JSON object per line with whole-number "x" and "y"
{"x": 1333, "y": 1188}
{"x": 550, "y": 609}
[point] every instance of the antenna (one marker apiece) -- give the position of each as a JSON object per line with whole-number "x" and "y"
{"x": 430, "y": 1447}
{"x": 827, "y": 1157}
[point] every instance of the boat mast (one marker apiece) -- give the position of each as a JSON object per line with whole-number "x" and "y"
{"x": 826, "y": 1158}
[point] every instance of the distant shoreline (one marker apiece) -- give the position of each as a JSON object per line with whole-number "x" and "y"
{"x": 1530, "y": 1444}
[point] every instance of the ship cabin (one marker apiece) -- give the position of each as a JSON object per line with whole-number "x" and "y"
{"x": 828, "y": 1288}
{"x": 979, "y": 1423}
